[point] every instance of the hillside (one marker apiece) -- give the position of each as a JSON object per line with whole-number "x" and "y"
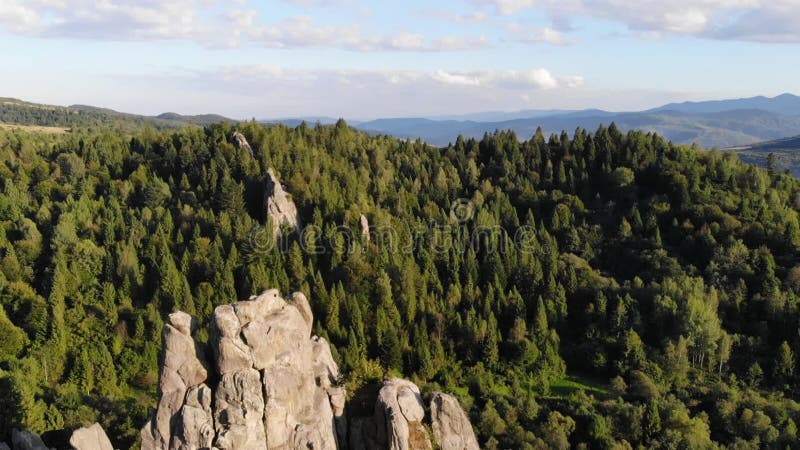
{"x": 720, "y": 124}
{"x": 785, "y": 154}
{"x": 202, "y": 119}
{"x": 785, "y": 144}
{"x": 609, "y": 290}
{"x": 18, "y": 112}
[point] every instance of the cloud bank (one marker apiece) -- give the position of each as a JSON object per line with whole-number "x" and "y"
{"x": 237, "y": 23}
{"x": 277, "y": 91}
{"x": 765, "y": 21}
{"x": 210, "y": 23}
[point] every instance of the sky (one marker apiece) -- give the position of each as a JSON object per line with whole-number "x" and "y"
{"x": 363, "y": 59}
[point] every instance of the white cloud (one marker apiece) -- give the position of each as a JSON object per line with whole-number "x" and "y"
{"x": 474, "y": 17}
{"x": 508, "y": 79}
{"x": 104, "y": 19}
{"x": 527, "y": 34}
{"x": 531, "y": 79}
{"x": 302, "y": 31}
{"x": 18, "y": 17}
{"x": 775, "y": 22}
{"x": 455, "y": 78}
{"x": 748, "y": 20}
{"x": 458, "y": 43}
{"x": 405, "y": 41}
{"x": 287, "y": 91}
{"x": 686, "y": 21}
{"x": 305, "y": 32}
{"x": 512, "y": 6}
{"x": 212, "y": 23}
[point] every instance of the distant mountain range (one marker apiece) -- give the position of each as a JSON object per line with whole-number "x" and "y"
{"x": 720, "y": 123}
{"x": 786, "y": 104}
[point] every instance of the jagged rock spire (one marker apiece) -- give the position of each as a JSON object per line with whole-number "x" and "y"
{"x": 281, "y": 210}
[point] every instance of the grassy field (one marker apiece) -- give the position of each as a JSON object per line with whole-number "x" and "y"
{"x": 33, "y": 128}
{"x": 573, "y": 383}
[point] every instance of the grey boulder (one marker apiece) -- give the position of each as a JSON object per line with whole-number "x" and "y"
{"x": 90, "y": 438}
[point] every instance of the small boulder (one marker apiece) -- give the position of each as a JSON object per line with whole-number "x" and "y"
{"x": 90, "y": 438}
{"x": 26, "y": 440}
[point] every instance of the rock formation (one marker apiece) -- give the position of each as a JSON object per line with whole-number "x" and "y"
{"x": 276, "y": 388}
{"x": 451, "y": 427}
{"x": 401, "y": 410}
{"x": 281, "y": 210}
{"x": 182, "y": 369}
{"x": 91, "y": 438}
{"x": 272, "y": 385}
{"x": 241, "y": 142}
{"x": 397, "y": 423}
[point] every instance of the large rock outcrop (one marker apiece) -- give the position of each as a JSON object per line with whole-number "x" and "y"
{"x": 270, "y": 384}
{"x": 90, "y": 438}
{"x": 275, "y": 385}
{"x": 281, "y": 210}
{"x": 451, "y": 427}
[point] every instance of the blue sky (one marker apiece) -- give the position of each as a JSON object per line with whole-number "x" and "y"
{"x": 361, "y": 59}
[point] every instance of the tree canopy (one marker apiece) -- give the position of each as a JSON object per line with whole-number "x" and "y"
{"x": 604, "y": 290}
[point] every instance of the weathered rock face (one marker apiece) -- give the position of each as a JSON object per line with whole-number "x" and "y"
{"x": 241, "y": 142}
{"x": 194, "y": 428}
{"x": 91, "y": 438}
{"x": 281, "y": 210}
{"x": 182, "y": 369}
{"x": 277, "y": 385}
{"x": 401, "y": 410}
{"x": 26, "y": 440}
{"x": 397, "y": 422}
{"x": 451, "y": 427}
{"x": 4, "y": 446}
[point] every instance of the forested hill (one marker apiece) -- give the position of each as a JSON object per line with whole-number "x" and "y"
{"x": 604, "y": 290}
{"x": 781, "y": 154}
{"x": 18, "y": 112}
